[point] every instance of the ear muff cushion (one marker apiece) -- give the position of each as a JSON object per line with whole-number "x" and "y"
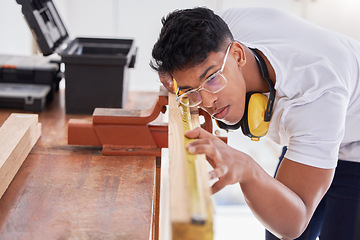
{"x": 244, "y": 121}
{"x": 252, "y": 123}
{"x": 257, "y": 104}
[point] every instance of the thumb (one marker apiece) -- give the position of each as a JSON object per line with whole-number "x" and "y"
{"x": 217, "y": 186}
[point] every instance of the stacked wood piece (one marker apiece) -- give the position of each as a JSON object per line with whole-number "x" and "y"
{"x": 18, "y": 135}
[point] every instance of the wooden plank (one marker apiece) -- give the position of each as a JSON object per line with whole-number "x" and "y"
{"x": 179, "y": 194}
{"x": 18, "y": 135}
{"x": 156, "y": 213}
{"x": 164, "y": 218}
{"x": 202, "y": 173}
{"x": 181, "y": 216}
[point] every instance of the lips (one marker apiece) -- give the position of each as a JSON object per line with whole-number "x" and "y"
{"x": 221, "y": 113}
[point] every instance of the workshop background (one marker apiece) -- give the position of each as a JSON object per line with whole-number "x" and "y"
{"x": 140, "y": 20}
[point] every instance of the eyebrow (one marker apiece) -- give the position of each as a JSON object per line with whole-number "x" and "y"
{"x": 206, "y": 71}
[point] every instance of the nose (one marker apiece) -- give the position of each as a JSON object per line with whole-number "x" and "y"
{"x": 208, "y": 99}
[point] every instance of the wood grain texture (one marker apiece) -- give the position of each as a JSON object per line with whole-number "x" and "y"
{"x": 164, "y": 218}
{"x": 180, "y": 204}
{"x": 180, "y": 209}
{"x": 73, "y": 192}
{"x": 18, "y": 135}
{"x": 80, "y": 197}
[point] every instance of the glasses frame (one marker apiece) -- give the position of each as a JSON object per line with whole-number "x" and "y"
{"x": 201, "y": 87}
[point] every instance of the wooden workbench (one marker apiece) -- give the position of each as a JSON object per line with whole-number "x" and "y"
{"x": 73, "y": 192}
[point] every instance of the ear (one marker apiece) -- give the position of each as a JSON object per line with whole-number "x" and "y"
{"x": 239, "y": 52}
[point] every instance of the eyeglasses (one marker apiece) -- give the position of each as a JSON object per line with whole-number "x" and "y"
{"x": 213, "y": 84}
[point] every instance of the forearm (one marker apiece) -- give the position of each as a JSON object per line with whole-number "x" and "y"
{"x": 279, "y": 208}
{"x": 285, "y": 204}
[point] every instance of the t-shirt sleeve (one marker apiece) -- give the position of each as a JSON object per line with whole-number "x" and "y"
{"x": 316, "y": 129}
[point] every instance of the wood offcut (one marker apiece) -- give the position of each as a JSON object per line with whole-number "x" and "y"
{"x": 18, "y": 135}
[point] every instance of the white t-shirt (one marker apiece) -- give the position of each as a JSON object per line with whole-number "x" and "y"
{"x": 317, "y": 107}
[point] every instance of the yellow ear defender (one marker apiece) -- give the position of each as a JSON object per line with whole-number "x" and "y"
{"x": 255, "y": 126}
{"x": 258, "y": 107}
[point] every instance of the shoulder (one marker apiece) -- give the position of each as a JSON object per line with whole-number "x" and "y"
{"x": 254, "y": 11}
{"x": 257, "y": 20}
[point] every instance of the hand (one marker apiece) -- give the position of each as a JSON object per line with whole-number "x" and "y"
{"x": 167, "y": 81}
{"x": 230, "y": 165}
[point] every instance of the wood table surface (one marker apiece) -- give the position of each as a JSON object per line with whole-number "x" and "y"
{"x": 73, "y": 192}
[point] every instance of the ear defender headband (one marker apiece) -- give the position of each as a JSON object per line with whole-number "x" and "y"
{"x": 258, "y": 107}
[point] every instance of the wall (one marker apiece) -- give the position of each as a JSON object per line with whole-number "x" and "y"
{"x": 137, "y": 19}
{"x": 15, "y": 37}
{"x": 140, "y": 20}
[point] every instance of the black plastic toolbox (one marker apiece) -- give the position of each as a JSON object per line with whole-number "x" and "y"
{"x": 34, "y": 69}
{"x": 25, "y": 96}
{"x": 96, "y": 69}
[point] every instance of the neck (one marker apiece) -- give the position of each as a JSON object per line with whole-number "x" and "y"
{"x": 255, "y": 81}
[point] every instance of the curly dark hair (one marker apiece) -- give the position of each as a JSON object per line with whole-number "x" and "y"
{"x": 187, "y": 37}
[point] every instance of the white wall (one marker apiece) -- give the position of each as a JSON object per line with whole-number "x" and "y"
{"x": 140, "y": 20}
{"x": 137, "y": 19}
{"x": 15, "y": 37}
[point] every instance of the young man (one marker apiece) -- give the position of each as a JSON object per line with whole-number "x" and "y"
{"x": 216, "y": 61}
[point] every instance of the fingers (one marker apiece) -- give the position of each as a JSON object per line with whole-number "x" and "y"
{"x": 198, "y": 133}
{"x": 211, "y": 161}
{"x": 219, "y": 172}
{"x": 167, "y": 81}
{"x": 216, "y": 152}
{"x": 205, "y": 143}
{"x": 203, "y": 147}
{"x": 218, "y": 186}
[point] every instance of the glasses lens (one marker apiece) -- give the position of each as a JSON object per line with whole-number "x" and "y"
{"x": 190, "y": 99}
{"x": 215, "y": 83}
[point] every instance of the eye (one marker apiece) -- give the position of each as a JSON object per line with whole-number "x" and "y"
{"x": 212, "y": 79}
{"x": 215, "y": 83}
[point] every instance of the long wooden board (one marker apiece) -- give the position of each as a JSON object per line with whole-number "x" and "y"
{"x": 18, "y": 135}
{"x": 180, "y": 206}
